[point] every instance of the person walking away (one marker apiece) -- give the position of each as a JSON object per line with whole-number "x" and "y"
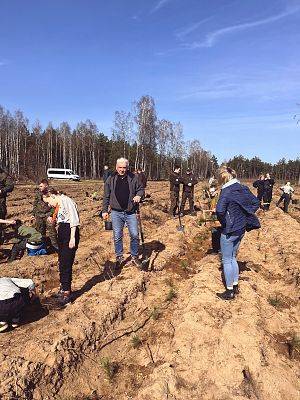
{"x": 106, "y": 173}
{"x": 68, "y": 223}
{"x": 6, "y": 186}
{"x": 259, "y": 185}
{"x": 189, "y": 181}
{"x": 268, "y": 191}
{"x": 286, "y": 196}
{"x": 235, "y": 211}
{"x": 40, "y": 213}
{"x": 15, "y": 295}
{"x": 175, "y": 181}
{"x": 122, "y": 193}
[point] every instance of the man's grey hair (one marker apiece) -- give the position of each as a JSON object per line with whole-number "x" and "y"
{"x": 122, "y": 160}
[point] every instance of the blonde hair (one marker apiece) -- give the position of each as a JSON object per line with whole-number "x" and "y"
{"x": 226, "y": 174}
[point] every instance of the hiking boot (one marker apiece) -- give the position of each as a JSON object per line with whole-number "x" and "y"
{"x": 137, "y": 262}
{"x": 3, "y": 326}
{"x": 227, "y": 295}
{"x": 15, "y": 322}
{"x": 119, "y": 261}
{"x": 236, "y": 289}
{"x": 65, "y": 299}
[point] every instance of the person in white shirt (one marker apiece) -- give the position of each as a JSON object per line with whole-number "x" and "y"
{"x": 15, "y": 295}
{"x": 286, "y": 196}
{"x": 68, "y": 238}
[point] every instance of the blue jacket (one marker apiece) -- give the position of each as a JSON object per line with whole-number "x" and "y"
{"x": 236, "y": 208}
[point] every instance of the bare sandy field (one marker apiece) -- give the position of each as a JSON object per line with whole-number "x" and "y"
{"x": 162, "y": 333}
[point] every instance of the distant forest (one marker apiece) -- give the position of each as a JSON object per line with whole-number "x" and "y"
{"x": 150, "y": 143}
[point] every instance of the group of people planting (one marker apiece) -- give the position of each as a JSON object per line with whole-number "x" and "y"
{"x": 57, "y": 214}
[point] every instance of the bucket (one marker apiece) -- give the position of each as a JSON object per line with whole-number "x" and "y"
{"x": 108, "y": 225}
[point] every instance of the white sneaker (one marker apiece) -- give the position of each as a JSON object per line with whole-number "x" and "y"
{"x": 15, "y": 322}
{"x": 3, "y": 326}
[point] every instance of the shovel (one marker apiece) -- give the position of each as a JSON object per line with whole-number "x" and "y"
{"x": 145, "y": 259}
{"x": 179, "y": 228}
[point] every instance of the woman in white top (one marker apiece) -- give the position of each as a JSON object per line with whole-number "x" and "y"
{"x": 15, "y": 294}
{"x": 68, "y": 238}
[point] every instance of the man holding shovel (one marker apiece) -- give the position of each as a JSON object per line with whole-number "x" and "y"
{"x": 123, "y": 192}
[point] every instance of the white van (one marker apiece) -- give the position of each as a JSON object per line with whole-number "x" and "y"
{"x": 61, "y": 173}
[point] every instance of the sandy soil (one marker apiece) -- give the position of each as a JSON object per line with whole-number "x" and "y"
{"x": 162, "y": 333}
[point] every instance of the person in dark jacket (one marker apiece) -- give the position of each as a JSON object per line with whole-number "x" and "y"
{"x": 175, "y": 181}
{"x": 268, "y": 191}
{"x": 189, "y": 181}
{"x": 6, "y": 186}
{"x": 122, "y": 192}
{"x": 142, "y": 178}
{"x": 259, "y": 184}
{"x": 41, "y": 211}
{"x": 235, "y": 210}
{"x": 106, "y": 173}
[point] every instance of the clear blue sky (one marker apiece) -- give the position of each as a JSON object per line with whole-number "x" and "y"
{"x": 229, "y": 70}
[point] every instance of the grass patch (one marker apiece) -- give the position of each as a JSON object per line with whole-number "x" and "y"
{"x": 184, "y": 264}
{"x": 110, "y": 368}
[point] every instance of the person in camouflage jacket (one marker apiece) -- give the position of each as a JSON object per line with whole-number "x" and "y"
{"x": 41, "y": 211}
{"x": 6, "y": 186}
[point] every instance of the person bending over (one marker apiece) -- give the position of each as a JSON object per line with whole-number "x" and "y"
{"x": 122, "y": 192}
{"x": 15, "y": 295}
{"x": 67, "y": 220}
{"x": 235, "y": 210}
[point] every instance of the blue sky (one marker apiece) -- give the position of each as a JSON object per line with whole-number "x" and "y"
{"x": 228, "y": 70}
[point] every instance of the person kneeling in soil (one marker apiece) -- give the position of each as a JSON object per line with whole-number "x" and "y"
{"x": 26, "y": 237}
{"x": 235, "y": 210}
{"x": 286, "y": 196}
{"x": 67, "y": 219}
{"x": 15, "y": 295}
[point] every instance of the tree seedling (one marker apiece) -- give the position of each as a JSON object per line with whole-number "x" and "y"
{"x": 155, "y": 313}
{"x": 136, "y": 341}
{"x": 110, "y": 368}
{"x": 275, "y": 301}
{"x": 171, "y": 294}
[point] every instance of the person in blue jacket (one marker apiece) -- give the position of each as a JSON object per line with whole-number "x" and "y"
{"x": 235, "y": 210}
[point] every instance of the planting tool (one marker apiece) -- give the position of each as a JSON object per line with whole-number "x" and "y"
{"x": 145, "y": 259}
{"x": 179, "y": 228}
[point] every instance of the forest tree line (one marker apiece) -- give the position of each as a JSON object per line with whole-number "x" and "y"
{"x": 152, "y": 144}
{"x": 283, "y": 170}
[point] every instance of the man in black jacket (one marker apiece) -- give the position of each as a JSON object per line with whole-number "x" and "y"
{"x": 259, "y": 185}
{"x": 268, "y": 191}
{"x": 122, "y": 193}
{"x": 175, "y": 181}
{"x": 189, "y": 181}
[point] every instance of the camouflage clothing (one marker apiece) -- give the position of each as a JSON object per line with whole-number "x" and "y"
{"x": 41, "y": 211}
{"x": 6, "y": 186}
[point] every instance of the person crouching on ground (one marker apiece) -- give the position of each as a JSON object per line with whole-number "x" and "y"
{"x": 122, "y": 193}
{"x": 235, "y": 210}
{"x": 15, "y": 295}
{"x": 286, "y": 196}
{"x": 68, "y": 238}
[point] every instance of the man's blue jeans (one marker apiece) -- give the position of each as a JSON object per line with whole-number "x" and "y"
{"x": 229, "y": 248}
{"x": 119, "y": 219}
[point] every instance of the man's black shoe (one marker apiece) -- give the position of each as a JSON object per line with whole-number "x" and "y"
{"x": 137, "y": 262}
{"x": 236, "y": 289}
{"x": 227, "y": 295}
{"x": 119, "y": 261}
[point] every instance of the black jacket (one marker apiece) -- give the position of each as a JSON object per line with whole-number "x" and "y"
{"x": 109, "y": 198}
{"x": 259, "y": 185}
{"x": 175, "y": 181}
{"x": 189, "y": 181}
{"x": 106, "y": 174}
{"x": 6, "y": 186}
